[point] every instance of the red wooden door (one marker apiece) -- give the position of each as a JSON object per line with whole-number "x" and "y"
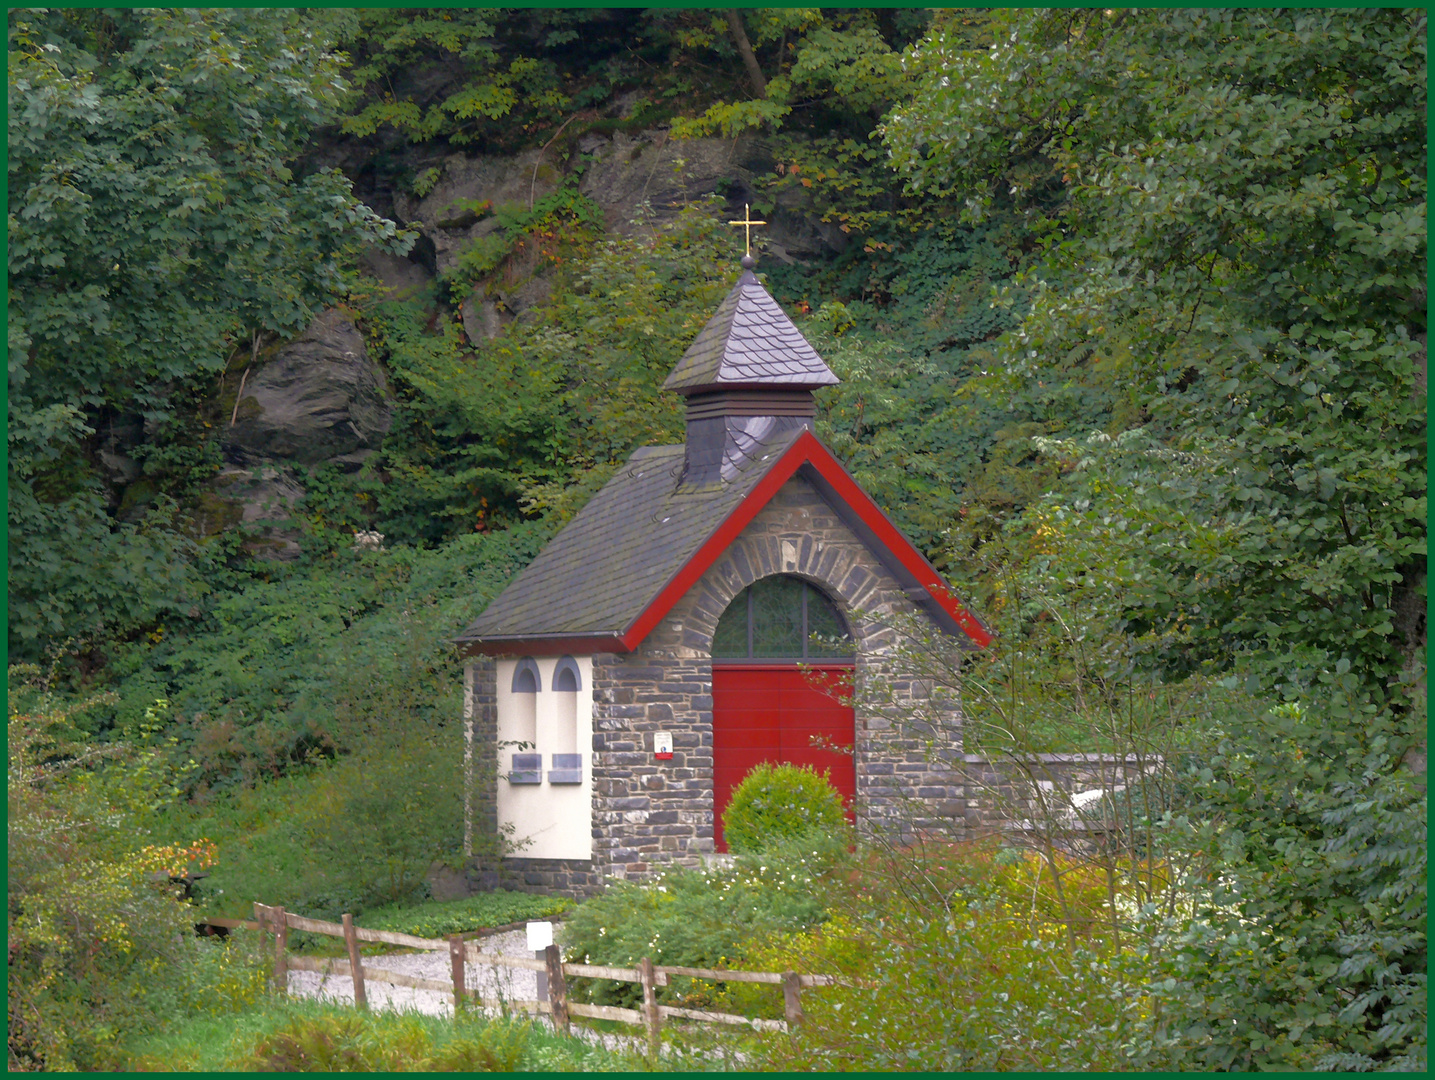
{"x": 767, "y": 713}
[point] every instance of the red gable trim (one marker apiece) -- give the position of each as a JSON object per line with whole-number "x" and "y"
{"x": 805, "y": 450}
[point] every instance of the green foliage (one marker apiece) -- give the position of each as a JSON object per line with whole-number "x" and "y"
{"x": 320, "y": 659}
{"x": 780, "y": 803}
{"x": 1244, "y": 244}
{"x": 483, "y": 435}
{"x": 304, "y": 1035}
{"x": 380, "y": 819}
{"x": 339, "y": 675}
{"x": 699, "y": 918}
{"x": 439, "y": 919}
{"x": 956, "y": 959}
{"x": 558, "y": 228}
{"x": 505, "y": 78}
{"x": 154, "y": 222}
{"x": 1308, "y": 942}
{"x": 225, "y": 975}
{"x": 510, "y": 67}
{"x": 348, "y": 836}
{"x": 98, "y": 941}
{"x": 1242, "y": 256}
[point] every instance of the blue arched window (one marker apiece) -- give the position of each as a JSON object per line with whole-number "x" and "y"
{"x": 566, "y": 677}
{"x": 526, "y": 679}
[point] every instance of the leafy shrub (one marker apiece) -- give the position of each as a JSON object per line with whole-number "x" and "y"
{"x": 780, "y": 802}
{"x": 699, "y": 918}
{"x": 304, "y": 1035}
{"x": 226, "y": 975}
{"x": 404, "y": 1043}
{"x": 436, "y": 920}
{"x": 378, "y": 823}
{"x": 1305, "y": 942}
{"x": 349, "y": 836}
{"x": 97, "y": 945}
{"x": 959, "y": 962}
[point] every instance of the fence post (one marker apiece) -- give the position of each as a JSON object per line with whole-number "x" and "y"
{"x": 650, "y": 1004}
{"x": 351, "y": 940}
{"x": 455, "y": 957}
{"x": 792, "y": 998}
{"x": 261, "y": 916}
{"x": 281, "y": 943}
{"x": 557, "y": 989}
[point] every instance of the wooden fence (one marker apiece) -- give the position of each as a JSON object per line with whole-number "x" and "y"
{"x": 277, "y": 921}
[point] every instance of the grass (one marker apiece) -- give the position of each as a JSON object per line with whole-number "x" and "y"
{"x": 301, "y": 1035}
{"x": 441, "y": 918}
{"x": 436, "y": 919}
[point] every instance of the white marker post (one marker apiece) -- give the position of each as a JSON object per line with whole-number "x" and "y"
{"x": 540, "y": 936}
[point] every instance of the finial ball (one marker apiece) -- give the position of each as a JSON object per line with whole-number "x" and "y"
{"x": 748, "y": 262}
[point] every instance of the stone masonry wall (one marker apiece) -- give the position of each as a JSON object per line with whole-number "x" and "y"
{"x": 648, "y": 813}
{"x": 1005, "y": 795}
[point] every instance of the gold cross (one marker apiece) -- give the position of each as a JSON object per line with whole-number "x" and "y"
{"x": 747, "y": 224}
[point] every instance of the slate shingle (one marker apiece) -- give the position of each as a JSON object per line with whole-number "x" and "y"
{"x": 600, "y": 572}
{"x": 749, "y": 341}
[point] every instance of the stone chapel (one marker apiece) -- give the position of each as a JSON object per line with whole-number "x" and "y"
{"x": 704, "y": 612}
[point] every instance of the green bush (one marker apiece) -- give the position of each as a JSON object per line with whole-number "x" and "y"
{"x": 699, "y": 918}
{"x": 99, "y": 944}
{"x": 437, "y": 920}
{"x": 348, "y": 836}
{"x": 304, "y": 1035}
{"x": 780, "y": 802}
{"x": 958, "y": 958}
{"x": 379, "y": 823}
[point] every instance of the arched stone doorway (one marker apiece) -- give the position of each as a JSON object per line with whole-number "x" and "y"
{"x": 780, "y": 653}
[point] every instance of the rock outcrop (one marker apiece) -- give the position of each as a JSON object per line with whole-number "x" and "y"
{"x": 320, "y": 399}
{"x": 264, "y": 500}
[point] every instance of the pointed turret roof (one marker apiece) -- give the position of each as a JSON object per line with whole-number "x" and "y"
{"x": 634, "y": 550}
{"x": 749, "y": 342}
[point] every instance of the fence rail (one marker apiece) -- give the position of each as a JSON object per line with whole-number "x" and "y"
{"x": 556, "y": 1004}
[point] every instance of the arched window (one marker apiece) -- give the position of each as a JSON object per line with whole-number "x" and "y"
{"x": 566, "y": 677}
{"x": 526, "y": 679}
{"x": 566, "y": 683}
{"x": 782, "y": 618}
{"x": 524, "y": 728}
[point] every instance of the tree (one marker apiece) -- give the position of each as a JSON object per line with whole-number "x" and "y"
{"x": 98, "y": 938}
{"x": 155, "y": 226}
{"x": 1242, "y": 250}
{"x": 1241, "y": 255}
{"x": 1307, "y": 942}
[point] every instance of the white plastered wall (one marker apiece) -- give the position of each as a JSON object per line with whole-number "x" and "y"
{"x": 550, "y": 821}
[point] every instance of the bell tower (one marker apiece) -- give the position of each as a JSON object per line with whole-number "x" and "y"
{"x": 748, "y": 376}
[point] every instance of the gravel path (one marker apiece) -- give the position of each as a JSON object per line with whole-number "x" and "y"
{"x": 509, "y": 983}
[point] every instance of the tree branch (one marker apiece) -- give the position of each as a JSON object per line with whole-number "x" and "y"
{"x": 739, "y": 37}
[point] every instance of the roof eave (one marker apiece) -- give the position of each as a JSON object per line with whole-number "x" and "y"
{"x": 818, "y": 383}
{"x": 560, "y": 644}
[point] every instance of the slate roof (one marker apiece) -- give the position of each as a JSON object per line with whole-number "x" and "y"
{"x": 600, "y": 572}
{"x": 751, "y": 342}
